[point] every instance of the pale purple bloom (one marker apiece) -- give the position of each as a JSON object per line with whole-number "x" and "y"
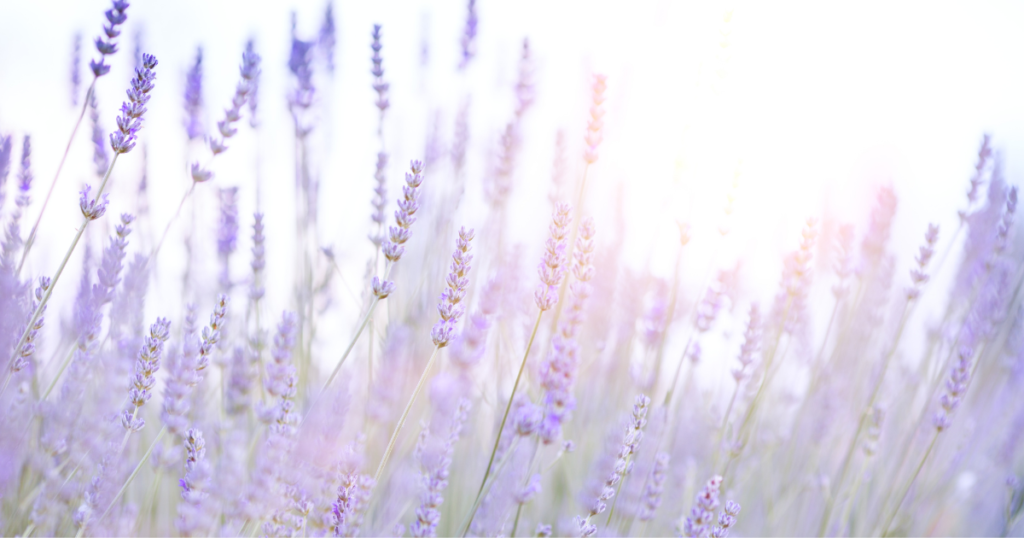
{"x": 92, "y": 208}
{"x": 76, "y": 68}
{"x": 328, "y": 38}
{"x": 194, "y": 127}
{"x": 405, "y": 215}
{"x": 553, "y": 261}
{"x": 450, "y": 307}
{"x": 468, "y": 38}
{"x": 130, "y": 121}
{"x": 144, "y": 378}
{"x": 194, "y": 514}
{"x": 99, "y": 140}
{"x": 379, "y": 85}
{"x": 651, "y": 497}
{"x": 435, "y": 457}
{"x": 259, "y": 260}
{"x": 595, "y": 126}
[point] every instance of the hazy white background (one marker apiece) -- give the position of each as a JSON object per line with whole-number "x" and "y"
{"x": 809, "y": 107}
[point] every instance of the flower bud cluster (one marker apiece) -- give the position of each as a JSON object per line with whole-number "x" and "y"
{"x": 918, "y": 276}
{"x": 23, "y": 355}
{"x": 405, "y": 216}
{"x": 701, "y": 522}
{"x": 553, "y": 262}
{"x": 211, "y": 333}
{"x": 751, "y": 344}
{"x": 130, "y": 121}
{"x": 107, "y": 47}
{"x": 379, "y": 85}
{"x": 956, "y": 387}
{"x": 451, "y": 308}
{"x": 144, "y": 378}
{"x": 594, "y": 136}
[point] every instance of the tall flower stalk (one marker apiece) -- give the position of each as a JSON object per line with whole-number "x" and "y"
{"x": 106, "y": 46}
{"x": 451, "y": 310}
{"x": 93, "y": 207}
{"x": 551, "y": 270}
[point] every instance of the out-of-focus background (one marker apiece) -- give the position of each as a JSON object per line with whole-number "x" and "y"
{"x": 794, "y": 109}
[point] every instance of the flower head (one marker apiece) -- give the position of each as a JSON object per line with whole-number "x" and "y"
{"x": 450, "y": 307}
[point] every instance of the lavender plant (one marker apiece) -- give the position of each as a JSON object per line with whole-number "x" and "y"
{"x": 849, "y": 400}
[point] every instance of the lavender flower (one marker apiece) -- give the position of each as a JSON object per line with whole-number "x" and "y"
{"x": 12, "y": 237}
{"x": 227, "y": 232}
{"x": 984, "y": 154}
{"x": 404, "y": 217}
{"x": 379, "y": 85}
{"x": 956, "y": 387}
{"x": 450, "y": 308}
{"x": 143, "y": 380}
{"x": 107, "y": 47}
{"x": 751, "y": 344}
{"x": 282, "y": 378}
{"x": 92, "y": 208}
{"x": 559, "y": 373}
{"x": 130, "y": 121}
{"x": 544, "y": 530}
{"x": 182, "y": 376}
{"x": 468, "y": 38}
{"x": 249, "y": 70}
{"x": 468, "y": 348}
{"x": 552, "y": 265}
{"x": 99, "y": 146}
{"x": 300, "y": 64}
{"x": 622, "y": 467}
{"x": 651, "y": 497}
{"x": 76, "y": 64}
{"x": 917, "y": 275}
{"x": 434, "y": 463}
{"x": 109, "y": 272}
{"x": 24, "y": 355}
{"x": 595, "y": 125}
{"x": 702, "y": 516}
{"x": 194, "y": 517}
{"x": 379, "y": 199}
{"x": 726, "y": 519}
{"x": 259, "y": 261}
{"x": 194, "y": 127}
{"x": 353, "y": 496}
{"x": 211, "y": 333}
{"x": 328, "y": 38}
{"x": 5, "y": 165}
{"x": 254, "y": 85}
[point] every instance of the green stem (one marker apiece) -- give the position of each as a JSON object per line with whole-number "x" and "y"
{"x": 67, "y": 149}
{"x": 130, "y": 477}
{"x": 405, "y": 414}
{"x": 504, "y": 418}
{"x": 60, "y": 270}
{"x": 906, "y": 489}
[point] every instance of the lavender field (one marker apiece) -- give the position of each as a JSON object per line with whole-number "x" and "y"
{"x": 472, "y": 269}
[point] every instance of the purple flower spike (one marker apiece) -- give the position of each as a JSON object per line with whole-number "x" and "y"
{"x": 105, "y": 44}
{"x": 596, "y": 124}
{"x": 194, "y": 98}
{"x": 552, "y": 266}
{"x": 406, "y": 214}
{"x": 92, "y": 208}
{"x": 450, "y": 307}
{"x": 130, "y": 121}
{"x": 379, "y": 85}
{"x": 468, "y": 40}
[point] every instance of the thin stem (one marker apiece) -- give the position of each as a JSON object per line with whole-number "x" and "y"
{"x": 131, "y": 476}
{"x": 906, "y": 489}
{"x": 519, "y": 509}
{"x": 53, "y": 282}
{"x": 848, "y": 457}
{"x": 35, "y": 227}
{"x": 60, "y": 372}
{"x": 405, "y": 414}
{"x": 504, "y": 418}
{"x": 497, "y": 470}
{"x": 177, "y": 213}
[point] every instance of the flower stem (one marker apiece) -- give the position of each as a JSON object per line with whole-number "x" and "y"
{"x": 35, "y": 227}
{"x": 504, "y": 418}
{"x": 53, "y": 283}
{"x": 906, "y": 489}
{"x": 405, "y": 414}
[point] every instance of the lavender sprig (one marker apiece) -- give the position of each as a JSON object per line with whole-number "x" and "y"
{"x": 107, "y": 47}
{"x": 144, "y": 378}
{"x": 129, "y": 123}
{"x": 450, "y": 311}
{"x": 194, "y": 127}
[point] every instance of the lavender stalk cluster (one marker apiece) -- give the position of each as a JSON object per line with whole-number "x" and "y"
{"x": 129, "y": 123}
{"x": 144, "y": 378}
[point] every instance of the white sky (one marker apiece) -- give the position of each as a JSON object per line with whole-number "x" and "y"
{"x": 814, "y": 103}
